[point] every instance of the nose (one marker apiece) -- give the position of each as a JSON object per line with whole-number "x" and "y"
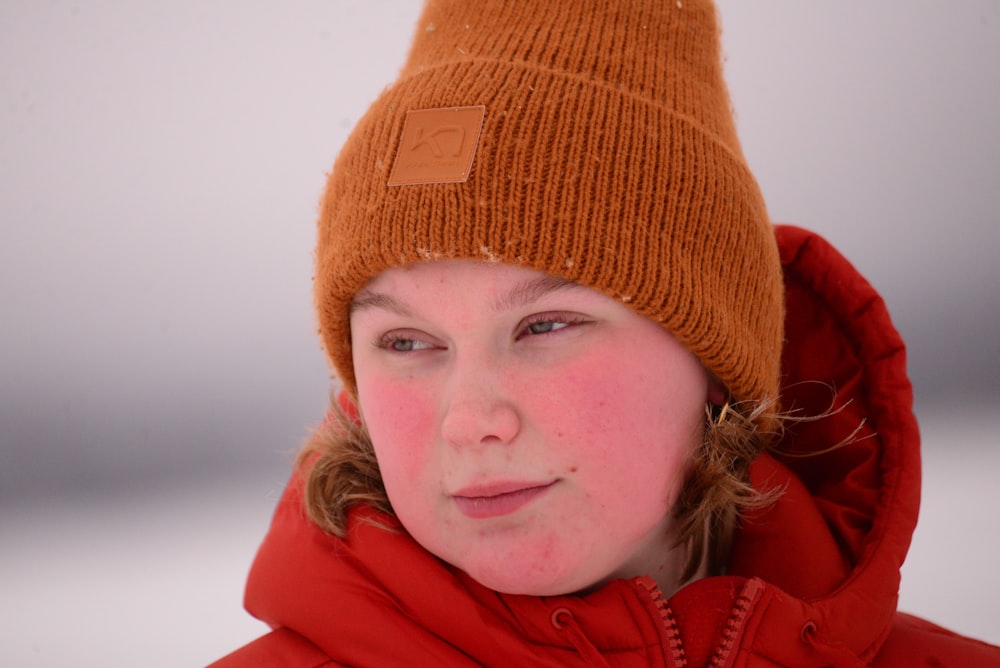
{"x": 478, "y": 411}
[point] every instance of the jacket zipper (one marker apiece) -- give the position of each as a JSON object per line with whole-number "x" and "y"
{"x": 674, "y": 644}
{"x": 723, "y": 656}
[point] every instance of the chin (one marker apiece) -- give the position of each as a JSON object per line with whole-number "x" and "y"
{"x": 524, "y": 582}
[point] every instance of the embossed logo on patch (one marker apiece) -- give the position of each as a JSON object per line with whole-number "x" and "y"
{"x": 437, "y": 145}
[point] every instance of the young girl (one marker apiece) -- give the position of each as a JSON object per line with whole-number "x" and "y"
{"x": 597, "y": 410}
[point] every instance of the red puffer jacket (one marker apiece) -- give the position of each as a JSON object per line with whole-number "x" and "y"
{"x": 813, "y": 580}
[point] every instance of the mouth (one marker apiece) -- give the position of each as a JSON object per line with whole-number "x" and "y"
{"x": 483, "y": 502}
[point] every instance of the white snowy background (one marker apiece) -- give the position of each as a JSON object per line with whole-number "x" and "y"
{"x": 160, "y": 166}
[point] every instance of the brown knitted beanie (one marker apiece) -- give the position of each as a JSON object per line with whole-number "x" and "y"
{"x": 589, "y": 139}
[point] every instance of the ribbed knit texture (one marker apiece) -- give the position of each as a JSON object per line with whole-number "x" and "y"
{"x": 608, "y": 156}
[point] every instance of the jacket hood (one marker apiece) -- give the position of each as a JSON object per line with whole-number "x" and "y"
{"x": 831, "y": 549}
{"x": 821, "y": 564}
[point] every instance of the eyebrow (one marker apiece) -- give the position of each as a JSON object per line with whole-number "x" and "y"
{"x": 523, "y": 293}
{"x": 530, "y": 291}
{"x": 367, "y": 299}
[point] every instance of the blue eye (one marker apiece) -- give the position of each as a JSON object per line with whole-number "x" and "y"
{"x": 543, "y": 324}
{"x": 546, "y": 326}
{"x": 401, "y": 344}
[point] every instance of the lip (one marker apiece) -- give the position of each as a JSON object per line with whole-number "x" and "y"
{"x": 498, "y": 499}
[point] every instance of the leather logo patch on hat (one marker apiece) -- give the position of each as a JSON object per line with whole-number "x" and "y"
{"x": 437, "y": 145}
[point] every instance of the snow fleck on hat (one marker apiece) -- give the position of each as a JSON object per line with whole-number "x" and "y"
{"x": 592, "y": 141}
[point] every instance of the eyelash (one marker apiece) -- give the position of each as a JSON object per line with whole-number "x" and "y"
{"x": 553, "y": 318}
{"x": 389, "y": 340}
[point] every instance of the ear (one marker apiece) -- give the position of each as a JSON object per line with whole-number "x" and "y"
{"x": 717, "y": 394}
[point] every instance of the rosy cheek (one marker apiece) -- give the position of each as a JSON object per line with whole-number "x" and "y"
{"x": 594, "y": 404}
{"x": 400, "y": 421}
{"x": 575, "y": 400}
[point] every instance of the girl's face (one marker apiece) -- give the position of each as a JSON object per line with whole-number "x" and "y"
{"x": 530, "y": 431}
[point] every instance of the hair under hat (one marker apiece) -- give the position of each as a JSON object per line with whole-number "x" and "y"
{"x": 589, "y": 140}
